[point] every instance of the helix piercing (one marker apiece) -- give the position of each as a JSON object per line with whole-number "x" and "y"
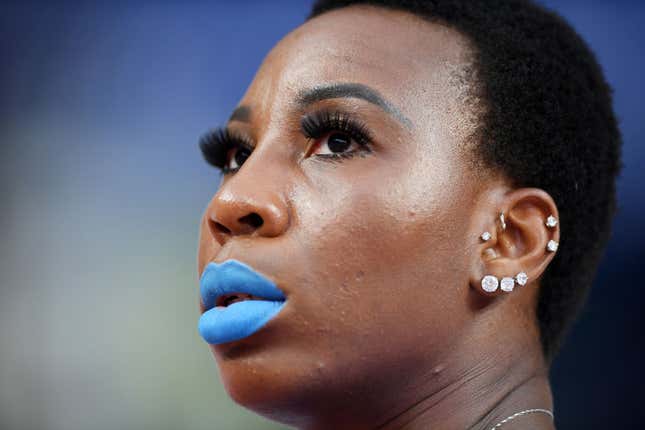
{"x": 551, "y": 221}
{"x": 552, "y": 246}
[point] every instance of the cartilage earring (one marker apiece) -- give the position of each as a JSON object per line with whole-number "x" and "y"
{"x": 490, "y": 283}
{"x": 551, "y": 221}
{"x": 485, "y": 236}
{"x": 552, "y": 245}
{"x": 501, "y": 220}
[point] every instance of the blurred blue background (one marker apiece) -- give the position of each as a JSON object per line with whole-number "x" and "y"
{"x": 102, "y": 187}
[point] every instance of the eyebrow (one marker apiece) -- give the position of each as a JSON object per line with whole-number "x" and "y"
{"x": 347, "y": 89}
{"x": 241, "y": 113}
{"x": 332, "y": 91}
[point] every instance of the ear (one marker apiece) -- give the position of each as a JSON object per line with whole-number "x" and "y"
{"x": 520, "y": 247}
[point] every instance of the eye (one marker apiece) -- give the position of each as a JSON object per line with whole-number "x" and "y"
{"x": 334, "y": 133}
{"x": 235, "y": 157}
{"x": 334, "y": 144}
{"x": 225, "y": 149}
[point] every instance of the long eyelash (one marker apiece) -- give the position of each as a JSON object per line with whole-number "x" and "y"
{"x": 216, "y": 143}
{"x": 316, "y": 124}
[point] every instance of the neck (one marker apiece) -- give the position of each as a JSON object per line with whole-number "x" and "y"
{"x": 483, "y": 394}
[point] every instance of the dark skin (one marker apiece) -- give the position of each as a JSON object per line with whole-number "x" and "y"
{"x": 386, "y": 325}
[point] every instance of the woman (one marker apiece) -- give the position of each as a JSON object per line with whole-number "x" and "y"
{"x": 383, "y": 251}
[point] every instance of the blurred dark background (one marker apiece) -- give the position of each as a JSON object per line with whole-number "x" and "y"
{"x": 102, "y": 187}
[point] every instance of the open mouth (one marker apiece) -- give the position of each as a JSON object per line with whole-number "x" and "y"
{"x": 228, "y": 299}
{"x": 222, "y": 285}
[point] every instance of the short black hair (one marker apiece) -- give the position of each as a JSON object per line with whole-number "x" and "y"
{"x": 548, "y": 123}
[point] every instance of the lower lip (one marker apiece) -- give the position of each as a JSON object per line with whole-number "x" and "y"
{"x": 238, "y": 320}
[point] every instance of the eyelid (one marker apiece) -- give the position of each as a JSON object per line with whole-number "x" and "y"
{"x": 216, "y": 144}
{"x": 240, "y": 138}
{"x": 241, "y": 144}
{"x": 316, "y": 124}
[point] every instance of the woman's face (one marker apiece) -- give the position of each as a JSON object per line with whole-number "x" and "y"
{"x": 373, "y": 251}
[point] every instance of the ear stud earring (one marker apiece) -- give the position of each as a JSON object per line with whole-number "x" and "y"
{"x": 486, "y": 236}
{"x": 551, "y": 221}
{"x": 490, "y": 283}
{"x": 552, "y": 246}
{"x": 507, "y": 284}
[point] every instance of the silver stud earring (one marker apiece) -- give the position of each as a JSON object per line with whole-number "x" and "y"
{"x": 490, "y": 283}
{"x": 552, "y": 246}
{"x": 521, "y": 278}
{"x": 551, "y": 221}
{"x": 507, "y": 284}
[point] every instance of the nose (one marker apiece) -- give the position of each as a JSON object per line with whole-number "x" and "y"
{"x": 246, "y": 207}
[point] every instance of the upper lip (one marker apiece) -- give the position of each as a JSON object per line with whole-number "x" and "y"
{"x": 234, "y": 276}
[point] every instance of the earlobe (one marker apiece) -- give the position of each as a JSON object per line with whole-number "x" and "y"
{"x": 520, "y": 243}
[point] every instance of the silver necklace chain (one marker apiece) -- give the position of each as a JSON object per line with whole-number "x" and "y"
{"x": 527, "y": 411}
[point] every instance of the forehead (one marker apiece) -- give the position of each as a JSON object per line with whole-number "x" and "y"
{"x": 408, "y": 60}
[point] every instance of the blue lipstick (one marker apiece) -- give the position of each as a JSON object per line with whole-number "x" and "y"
{"x": 240, "y": 319}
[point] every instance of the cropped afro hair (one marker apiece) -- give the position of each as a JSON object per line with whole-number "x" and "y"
{"x": 548, "y": 123}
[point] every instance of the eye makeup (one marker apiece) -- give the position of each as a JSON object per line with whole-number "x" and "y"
{"x": 216, "y": 144}
{"x": 316, "y": 124}
{"x": 340, "y": 125}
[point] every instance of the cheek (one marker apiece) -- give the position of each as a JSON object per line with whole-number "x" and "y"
{"x": 385, "y": 273}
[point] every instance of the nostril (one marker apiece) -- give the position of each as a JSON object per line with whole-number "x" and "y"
{"x": 252, "y": 219}
{"x": 247, "y": 224}
{"x": 220, "y": 227}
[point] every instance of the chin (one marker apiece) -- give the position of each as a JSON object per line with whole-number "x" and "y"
{"x": 261, "y": 381}
{"x": 279, "y": 383}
